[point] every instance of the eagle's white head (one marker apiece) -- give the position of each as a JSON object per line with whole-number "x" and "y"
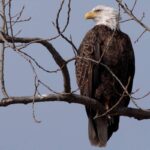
{"x": 104, "y": 15}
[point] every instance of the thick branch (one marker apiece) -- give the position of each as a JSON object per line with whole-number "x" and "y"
{"x": 58, "y": 59}
{"x": 74, "y": 98}
{"x": 70, "y": 98}
{"x": 133, "y": 112}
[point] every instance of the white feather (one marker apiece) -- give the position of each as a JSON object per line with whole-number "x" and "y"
{"x": 107, "y": 16}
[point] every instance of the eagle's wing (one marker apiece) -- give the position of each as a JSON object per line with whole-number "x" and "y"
{"x": 87, "y": 72}
{"x": 85, "y": 64}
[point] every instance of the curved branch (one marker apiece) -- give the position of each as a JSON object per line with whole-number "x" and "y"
{"x": 67, "y": 23}
{"x": 74, "y": 98}
{"x": 58, "y": 59}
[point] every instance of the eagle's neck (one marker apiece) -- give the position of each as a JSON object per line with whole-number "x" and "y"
{"x": 109, "y": 21}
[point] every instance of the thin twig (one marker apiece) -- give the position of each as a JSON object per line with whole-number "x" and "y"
{"x": 130, "y": 13}
{"x": 140, "y": 36}
{"x": 115, "y": 77}
{"x": 116, "y": 104}
{"x": 36, "y": 84}
{"x": 139, "y": 98}
{"x": 135, "y": 2}
{"x": 10, "y": 22}
{"x": 123, "y": 21}
{"x": 67, "y": 23}
{"x": 46, "y": 86}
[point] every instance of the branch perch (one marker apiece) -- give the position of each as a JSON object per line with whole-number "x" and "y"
{"x": 74, "y": 98}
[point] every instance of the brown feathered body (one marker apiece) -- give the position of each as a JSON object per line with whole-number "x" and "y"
{"x": 104, "y": 56}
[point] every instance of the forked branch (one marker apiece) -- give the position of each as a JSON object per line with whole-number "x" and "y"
{"x": 57, "y": 57}
{"x": 74, "y": 98}
{"x": 132, "y": 16}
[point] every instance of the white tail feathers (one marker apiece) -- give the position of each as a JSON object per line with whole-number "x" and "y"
{"x": 98, "y": 131}
{"x": 102, "y": 130}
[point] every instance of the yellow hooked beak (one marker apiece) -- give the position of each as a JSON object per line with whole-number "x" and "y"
{"x": 90, "y": 15}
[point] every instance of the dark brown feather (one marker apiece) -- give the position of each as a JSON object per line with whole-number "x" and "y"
{"x": 114, "y": 49}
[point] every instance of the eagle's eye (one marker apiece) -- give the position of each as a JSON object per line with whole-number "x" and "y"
{"x": 97, "y": 10}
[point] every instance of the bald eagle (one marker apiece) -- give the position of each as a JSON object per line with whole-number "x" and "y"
{"x": 105, "y": 47}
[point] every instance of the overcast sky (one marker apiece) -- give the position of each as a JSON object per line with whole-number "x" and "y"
{"x": 64, "y": 126}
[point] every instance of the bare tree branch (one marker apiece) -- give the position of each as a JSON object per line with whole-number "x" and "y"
{"x": 73, "y": 98}
{"x": 130, "y": 13}
{"x": 140, "y": 36}
{"x": 133, "y": 112}
{"x": 58, "y": 59}
{"x": 2, "y": 50}
{"x": 10, "y": 22}
{"x": 67, "y": 23}
{"x": 67, "y": 96}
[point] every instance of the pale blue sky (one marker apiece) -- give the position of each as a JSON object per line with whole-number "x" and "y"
{"x": 64, "y": 126}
